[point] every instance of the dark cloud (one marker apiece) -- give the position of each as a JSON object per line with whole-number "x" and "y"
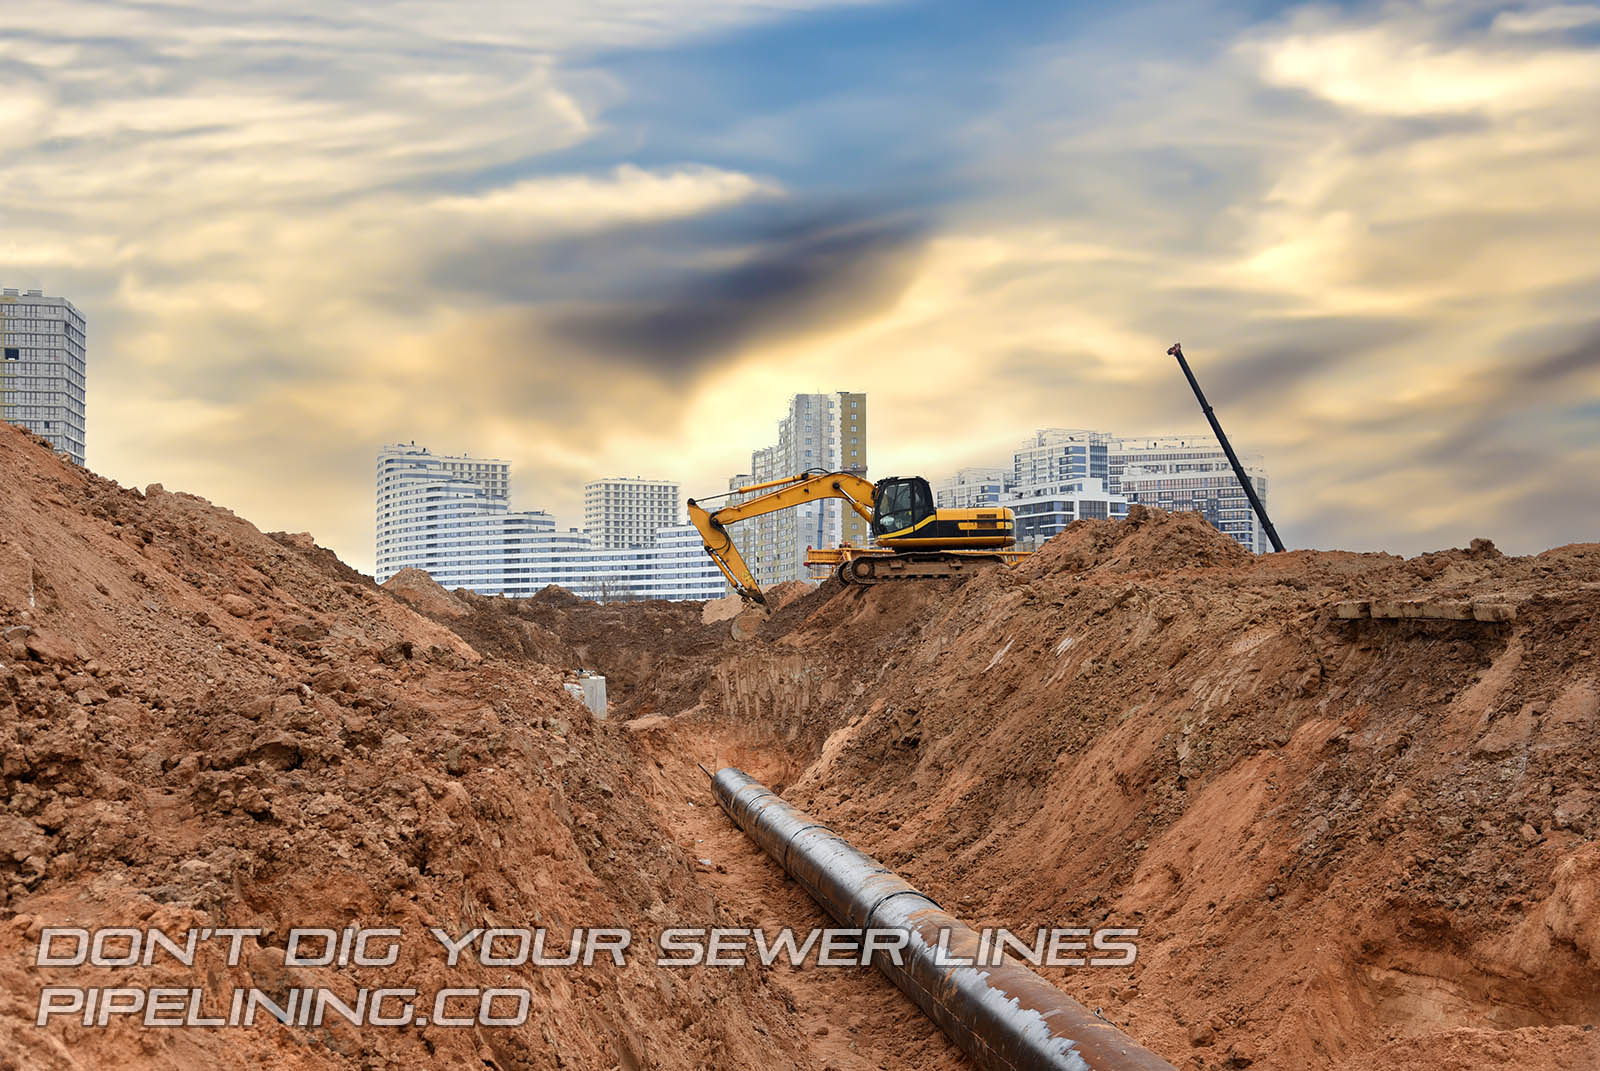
{"x": 1268, "y": 356}
{"x": 1499, "y": 413}
{"x": 676, "y": 300}
{"x": 799, "y": 283}
{"x": 1545, "y": 503}
{"x": 1582, "y": 357}
{"x": 1273, "y": 358}
{"x": 1501, "y": 441}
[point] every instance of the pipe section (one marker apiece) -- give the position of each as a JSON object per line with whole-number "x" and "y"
{"x": 1005, "y": 1017}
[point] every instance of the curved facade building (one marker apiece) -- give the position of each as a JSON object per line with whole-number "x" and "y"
{"x": 451, "y": 517}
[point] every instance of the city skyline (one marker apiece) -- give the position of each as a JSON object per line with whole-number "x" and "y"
{"x": 583, "y": 236}
{"x": 502, "y": 467}
{"x": 468, "y": 491}
{"x": 1059, "y": 475}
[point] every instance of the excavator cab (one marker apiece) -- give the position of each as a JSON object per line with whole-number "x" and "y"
{"x": 899, "y": 504}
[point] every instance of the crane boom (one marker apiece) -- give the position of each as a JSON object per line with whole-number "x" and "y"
{"x": 1227, "y": 448}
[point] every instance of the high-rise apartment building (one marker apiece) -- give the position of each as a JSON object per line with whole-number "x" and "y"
{"x": 451, "y": 517}
{"x": 821, "y": 432}
{"x": 853, "y": 456}
{"x": 628, "y": 511}
{"x": 43, "y": 360}
{"x": 744, "y": 534}
{"x": 1051, "y": 455}
{"x": 448, "y": 515}
{"x": 493, "y": 475}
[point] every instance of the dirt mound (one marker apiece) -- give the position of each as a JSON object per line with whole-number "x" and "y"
{"x": 726, "y": 608}
{"x": 202, "y": 726}
{"x": 1149, "y": 541}
{"x": 556, "y": 595}
{"x": 425, "y": 594}
{"x": 781, "y": 595}
{"x": 502, "y": 628}
{"x": 778, "y": 596}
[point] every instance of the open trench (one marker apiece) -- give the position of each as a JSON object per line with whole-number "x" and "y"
{"x": 686, "y": 696}
{"x": 787, "y": 712}
{"x": 852, "y": 1018}
{"x": 780, "y": 711}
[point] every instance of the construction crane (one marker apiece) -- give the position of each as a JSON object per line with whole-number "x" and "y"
{"x": 1176, "y": 350}
{"x": 914, "y": 540}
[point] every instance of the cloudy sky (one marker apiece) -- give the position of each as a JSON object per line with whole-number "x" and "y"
{"x": 607, "y": 237}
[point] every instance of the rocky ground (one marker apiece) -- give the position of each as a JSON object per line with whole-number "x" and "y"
{"x": 1347, "y": 843}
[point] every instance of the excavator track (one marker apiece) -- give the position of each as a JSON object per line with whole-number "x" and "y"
{"x": 930, "y": 565}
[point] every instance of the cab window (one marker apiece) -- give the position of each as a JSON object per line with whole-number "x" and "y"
{"x": 894, "y": 508}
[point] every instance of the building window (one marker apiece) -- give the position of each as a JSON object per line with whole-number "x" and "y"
{"x": 13, "y": 354}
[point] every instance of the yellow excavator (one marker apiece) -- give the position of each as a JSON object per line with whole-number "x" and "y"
{"x": 914, "y": 541}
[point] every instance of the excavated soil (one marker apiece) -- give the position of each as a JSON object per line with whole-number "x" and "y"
{"x": 1347, "y": 844}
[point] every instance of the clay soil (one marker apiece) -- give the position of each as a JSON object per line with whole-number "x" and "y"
{"x": 1346, "y": 844}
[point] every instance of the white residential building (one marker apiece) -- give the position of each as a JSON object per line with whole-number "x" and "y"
{"x": 43, "y": 365}
{"x": 1051, "y": 455}
{"x": 971, "y": 488}
{"x": 1191, "y": 472}
{"x": 627, "y": 511}
{"x": 822, "y": 432}
{"x": 674, "y": 566}
{"x": 1059, "y": 475}
{"x": 450, "y": 516}
{"x": 1044, "y": 510}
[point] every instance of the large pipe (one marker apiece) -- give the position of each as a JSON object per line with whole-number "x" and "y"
{"x": 1005, "y": 1017}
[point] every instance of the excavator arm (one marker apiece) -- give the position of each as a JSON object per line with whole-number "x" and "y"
{"x": 784, "y": 493}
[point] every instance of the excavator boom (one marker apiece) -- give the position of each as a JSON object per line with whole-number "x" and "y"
{"x": 781, "y": 494}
